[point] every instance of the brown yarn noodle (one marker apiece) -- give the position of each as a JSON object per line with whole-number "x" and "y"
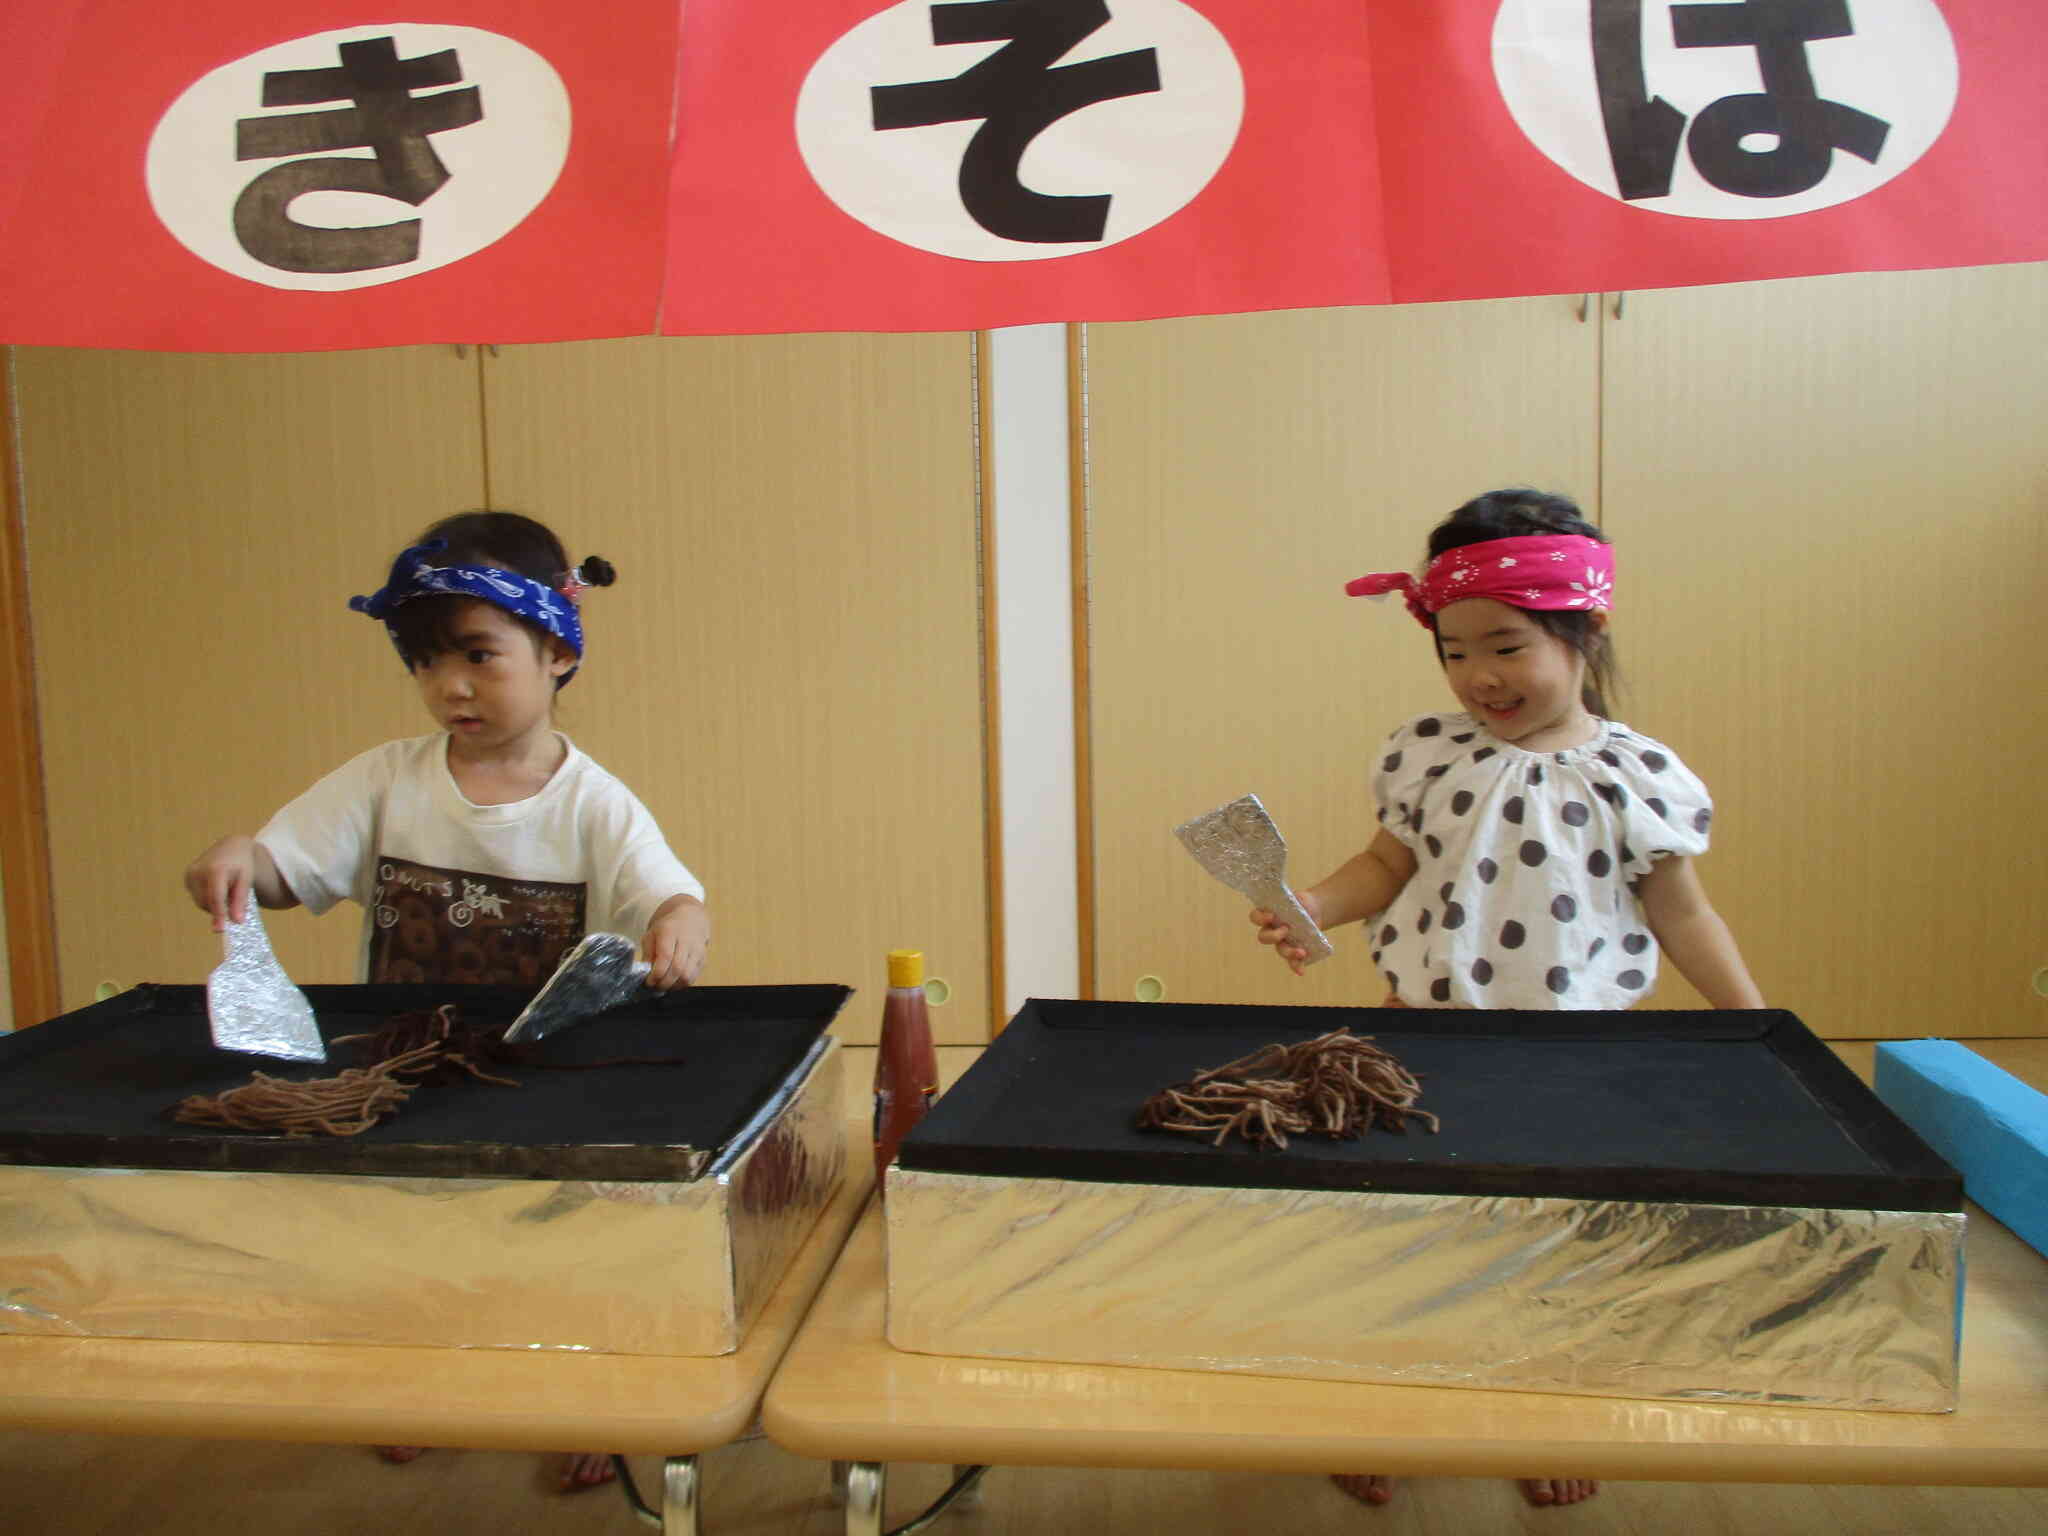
{"x": 1339, "y": 1085}
{"x": 458, "y": 1045}
{"x": 416, "y": 1046}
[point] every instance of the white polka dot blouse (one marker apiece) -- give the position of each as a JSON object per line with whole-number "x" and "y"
{"x": 1522, "y": 895}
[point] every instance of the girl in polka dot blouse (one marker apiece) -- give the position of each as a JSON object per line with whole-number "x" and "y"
{"x": 1532, "y": 853}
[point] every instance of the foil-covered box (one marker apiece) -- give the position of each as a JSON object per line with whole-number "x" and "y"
{"x": 1683, "y": 1205}
{"x": 641, "y": 1189}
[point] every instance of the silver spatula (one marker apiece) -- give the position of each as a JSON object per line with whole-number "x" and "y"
{"x": 599, "y": 973}
{"x": 1239, "y": 845}
{"x": 251, "y": 1005}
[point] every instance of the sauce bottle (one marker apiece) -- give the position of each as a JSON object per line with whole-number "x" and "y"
{"x": 906, "y": 1067}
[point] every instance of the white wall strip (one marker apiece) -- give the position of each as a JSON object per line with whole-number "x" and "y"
{"x": 1034, "y": 649}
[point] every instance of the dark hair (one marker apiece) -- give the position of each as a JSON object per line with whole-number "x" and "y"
{"x": 1520, "y": 513}
{"x": 508, "y": 541}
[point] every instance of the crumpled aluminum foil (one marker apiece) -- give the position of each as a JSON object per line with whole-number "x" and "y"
{"x": 1239, "y": 845}
{"x": 638, "y": 1268}
{"x": 1787, "y": 1306}
{"x": 251, "y": 1004}
{"x": 601, "y": 972}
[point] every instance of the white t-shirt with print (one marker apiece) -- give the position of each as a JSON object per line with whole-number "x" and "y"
{"x": 454, "y": 891}
{"x": 1523, "y": 893}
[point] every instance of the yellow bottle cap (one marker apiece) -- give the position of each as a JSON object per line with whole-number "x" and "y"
{"x": 906, "y": 967}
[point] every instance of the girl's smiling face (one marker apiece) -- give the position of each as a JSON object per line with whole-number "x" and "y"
{"x": 1515, "y": 677}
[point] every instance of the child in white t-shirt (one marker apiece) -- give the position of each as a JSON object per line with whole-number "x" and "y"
{"x": 483, "y": 851}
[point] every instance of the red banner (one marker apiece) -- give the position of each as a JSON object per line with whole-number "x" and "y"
{"x": 1517, "y": 190}
{"x": 1231, "y": 140}
{"x": 292, "y": 179}
{"x": 196, "y": 180}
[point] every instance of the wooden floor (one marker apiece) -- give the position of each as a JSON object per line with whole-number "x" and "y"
{"x": 73, "y": 1485}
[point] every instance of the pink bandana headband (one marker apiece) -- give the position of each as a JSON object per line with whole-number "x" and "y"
{"x": 1549, "y": 571}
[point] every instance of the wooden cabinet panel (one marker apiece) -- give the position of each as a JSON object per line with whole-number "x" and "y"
{"x": 195, "y": 527}
{"x": 1830, "y": 499}
{"x": 788, "y": 671}
{"x": 1241, "y": 470}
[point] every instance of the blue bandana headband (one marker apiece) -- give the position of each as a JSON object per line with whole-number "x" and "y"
{"x": 413, "y": 576}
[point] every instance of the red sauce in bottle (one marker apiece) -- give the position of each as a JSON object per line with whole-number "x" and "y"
{"x": 906, "y": 1067}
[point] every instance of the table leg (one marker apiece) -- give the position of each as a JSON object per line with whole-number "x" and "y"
{"x": 865, "y": 1482}
{"x": 839, "y": 1471}
{"x": 679, "y": 1497}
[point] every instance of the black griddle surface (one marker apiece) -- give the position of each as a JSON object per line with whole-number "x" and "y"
{"x": 1718, "y": 1107}
{"x": 94, "y": 1088}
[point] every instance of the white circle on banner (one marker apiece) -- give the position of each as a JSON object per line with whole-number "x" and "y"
{"x": 1149, "y": 152}
{"x": 1897, "y": 67}
{"x": 500, "y": 166}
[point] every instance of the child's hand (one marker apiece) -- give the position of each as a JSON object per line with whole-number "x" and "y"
{"x": 675, "y": 943}
{"x": 221, "y": 879}
{"x": 1274, "y": 932}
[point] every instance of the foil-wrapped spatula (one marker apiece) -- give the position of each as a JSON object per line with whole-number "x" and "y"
{"x": 1239, "y": 845}
{"x": 599, "y": 973}
{"x": 251, "y": 1005}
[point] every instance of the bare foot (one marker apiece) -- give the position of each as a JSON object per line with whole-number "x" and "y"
{"x": 1366, "y": 1487}
{"x": 586, "y": 1469}
{"x": 1541, "y": 1491}
{"x": 398, "y": 1455}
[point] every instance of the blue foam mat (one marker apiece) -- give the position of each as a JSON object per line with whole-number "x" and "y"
{"x": 1985, "y": 1121}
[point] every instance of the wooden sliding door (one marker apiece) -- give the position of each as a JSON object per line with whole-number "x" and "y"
{"x": 789, "y": 670}
{"x": 195, "y": 526}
